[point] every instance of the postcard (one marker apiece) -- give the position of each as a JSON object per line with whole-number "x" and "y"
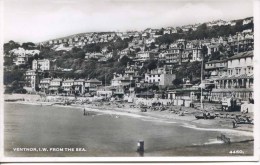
{"x": 101, "y": 81}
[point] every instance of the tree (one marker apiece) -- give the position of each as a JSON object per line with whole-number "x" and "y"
{"x": 177, "y": 82}
{"x": 165, "y": 39}
{"x": 79, "y": 54}
{"x": 13, "y": 75}
{"x": 204, "y": 51}
{"x": 152, "y": 65}
{"x": 152, "y": 46}
{"x": 28, "y": 45}
{"x": 215, "y": 56}
{"x": 8, "y": 61}
{"x": 124, "y": 60}
{"x": 160, "y": 32}
{"x": 60, "y": 90}
{"x": 201, "y": 31}
{"x": 10, "y": 46}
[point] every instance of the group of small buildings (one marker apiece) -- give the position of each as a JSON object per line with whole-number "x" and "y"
{"x": 140, "y": 41}
{"x": 229, "y": 77}
{"x": 55, "y": 86}
{"x": 232, "y": 76}
{"x": 90, "y": 38}
{"x": 120, "y": 85}
{"x": 21, "y": 55}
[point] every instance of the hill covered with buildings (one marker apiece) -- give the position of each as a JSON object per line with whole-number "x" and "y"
{"x": 162, "y": 61}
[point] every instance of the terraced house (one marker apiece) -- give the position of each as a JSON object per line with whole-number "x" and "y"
{"x": 238, "y": 81}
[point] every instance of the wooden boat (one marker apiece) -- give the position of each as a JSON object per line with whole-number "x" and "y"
{"x": 143, "y": 108}
{"x": 244, "y": 121}
{"x": 205, "y": 117}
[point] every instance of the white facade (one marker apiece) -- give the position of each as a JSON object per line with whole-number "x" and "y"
{"x": 41, "y": 64}
{"x": 79, "y": 85}
{"x": 67, "y": 85}
{"x": 247, "y": 21}
{"x": 30, "y": 77}
{"x": 55, "y": 84}
{"x": 240, "y": 66}
{"x": 145, "y": 55}
{"x": 160, "y": 77}
{"x": 45, "y": 83}
{"x": 20, "y": 60}
{"x": 238, "y": 80}
{"x": 196, "y": 55}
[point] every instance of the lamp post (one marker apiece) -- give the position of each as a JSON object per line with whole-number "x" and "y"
{"x": 204, "y": 51}
{"x": 201, "y": 103}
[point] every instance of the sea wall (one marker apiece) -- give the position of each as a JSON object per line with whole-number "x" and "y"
{"x": 26, "y": 97}
{"x": 179, "y": 102}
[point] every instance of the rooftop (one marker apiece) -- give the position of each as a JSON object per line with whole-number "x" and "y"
{"x": 69, "y": 80}
{"x": 57, "y": 79}
{"x": 242, "y": 55}
{"x": 93, "y": 80}
{"x": 215, "y": 61}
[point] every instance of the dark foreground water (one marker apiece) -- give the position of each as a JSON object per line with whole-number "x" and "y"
{"x": 38, "y": 127}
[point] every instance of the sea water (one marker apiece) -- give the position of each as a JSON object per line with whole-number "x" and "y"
{"x": 101, "y": 134}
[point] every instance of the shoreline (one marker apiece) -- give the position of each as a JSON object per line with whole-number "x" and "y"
{"x": 156, "y": 116}
{"x": 243, "y": 139}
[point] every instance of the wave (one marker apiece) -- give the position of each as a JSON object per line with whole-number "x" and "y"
{"x": 229, "y": 131}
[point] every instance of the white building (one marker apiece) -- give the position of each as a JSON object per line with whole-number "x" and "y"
{"x": 196, "y": 54}
{"x": 167, "y": 31}
{"x": 67, "y": 86}
{"x": 79, "y": 86}
{"x": 20, "y": 60}
{"x": 94, "y": 55}
{"x": 21, "y": 55}
{"x": 91, "y": 85}
{"x": 44, "y": 84}
{"x": 30, "y": 77}
{"x": 238, "y": 80}
{"x": 247, "y": 21}
{"x": 120, "y": 80}
{"x": 54, "y": 86}
{"x": 160, "y": 77}
{"x": 43, "y": 64}
{"x": 145, "y": 55}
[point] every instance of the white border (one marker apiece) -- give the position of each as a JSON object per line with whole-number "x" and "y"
{"x": 1, "y": 80}
{"x": 150, "y": 159}
{"x": 257, "y": 77}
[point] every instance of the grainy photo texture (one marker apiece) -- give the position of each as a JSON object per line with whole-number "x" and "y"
{"x": 130, "y": 78}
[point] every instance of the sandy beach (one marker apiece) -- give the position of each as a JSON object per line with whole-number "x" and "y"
{"x": 241, "y": 137}
{"x": 188, "y": 120}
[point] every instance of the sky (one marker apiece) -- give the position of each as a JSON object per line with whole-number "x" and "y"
{"x": 41, "y": 20}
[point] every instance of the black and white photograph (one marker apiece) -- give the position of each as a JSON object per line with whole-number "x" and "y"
{"x": 140, "y": 79}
